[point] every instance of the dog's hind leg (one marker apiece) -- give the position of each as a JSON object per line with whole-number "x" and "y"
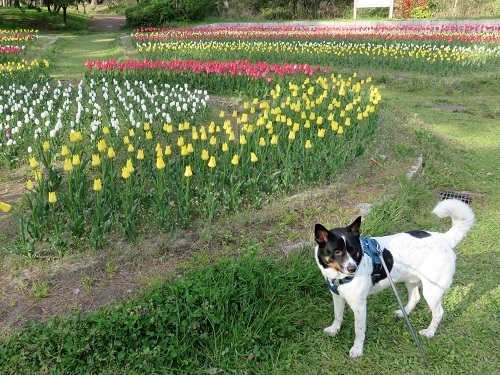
{"x": 433, "y": 294}
{"x": 413, "y": 297}
{"x": 338, "y": 306}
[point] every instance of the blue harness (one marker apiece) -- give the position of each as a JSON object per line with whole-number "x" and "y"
{"x": 371, "y": 248}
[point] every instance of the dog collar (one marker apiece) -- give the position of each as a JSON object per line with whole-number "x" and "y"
{"x": 371, "y": 248}
{"x": 334, "y": 284}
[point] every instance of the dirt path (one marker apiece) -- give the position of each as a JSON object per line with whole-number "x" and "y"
{"x": 107, "y": 22}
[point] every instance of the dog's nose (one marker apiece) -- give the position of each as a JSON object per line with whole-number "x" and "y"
{"x": 351, "y": 268}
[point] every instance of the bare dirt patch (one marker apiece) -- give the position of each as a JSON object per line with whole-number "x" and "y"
{"x": 107, "y": 22}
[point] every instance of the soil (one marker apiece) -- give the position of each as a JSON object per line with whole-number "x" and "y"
{"x": 107, "y": 22}
{"x": 35, "y": 289}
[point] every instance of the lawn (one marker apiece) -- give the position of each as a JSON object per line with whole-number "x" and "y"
{"x": 240, "y": 292}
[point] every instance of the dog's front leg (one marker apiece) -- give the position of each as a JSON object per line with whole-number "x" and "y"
{"x": 359, "y": 309}
{"x": 338, "y": 307}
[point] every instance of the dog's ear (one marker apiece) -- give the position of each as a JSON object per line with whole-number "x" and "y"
{"x": 321, "y": 234}
{"x": 354, "y": 227}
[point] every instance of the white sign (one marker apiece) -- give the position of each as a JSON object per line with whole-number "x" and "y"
{"x": 374, "y": 4}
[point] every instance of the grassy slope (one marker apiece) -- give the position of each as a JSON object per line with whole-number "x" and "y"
{"x": 287, "y": 307}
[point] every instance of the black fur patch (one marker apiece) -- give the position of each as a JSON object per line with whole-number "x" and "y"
{"x": 389, "y": 262}
{"x": 419, "y": 233}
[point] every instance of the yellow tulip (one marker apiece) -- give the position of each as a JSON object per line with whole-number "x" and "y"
{"x": 274, "y": 140}
{"x": 129, "y": 166}
{"x": 212, "y": 162}
{"x": 140, "y": 154}
{"x": 308, "y": 144}
{"x": 243, "y": 140}
{"x": 130, "y": 148}
{"x": 213, "y": 140}
{"x": 321, "y": 133}
{"x": 105, "y": 130}
{"x": 75, "y": 137}
{"x": 126, "y": 140}
{"x": 125, "y": 173}
{"x": 64, "y": 150}
{"x": 131, "y": 132}
{"x": 253, "y": 158}
{"x": 168, "y": 150}
{"x": 149, "y": 135}
{"x": 101, "y": 145}
{"x": 111, "y": 153}
{"x": 76, "y": 159}
{"x": 235, "y": 160}
{"x": 5, "y": 207}
{"x": 96, "y": 160}
{"x": 204, "y": 155}
{"x": 33, "y": 163}
{"x": 147, "y": 126}
{"x": 221, "y": 114}
{"x": 52, "y": 197}
{"x": 340, "y": 130}
{"x": 38, "y": 175}
{"x": 348, "y": 121}
{"x": 188, "y": 173}
{"x": 291, "y": 135}
{"x": 68, "y": 166}
{"x": 46, "y": 146}
{"x": 180, "y": 141}
{"x": 262, "y": 142}
{"x": 225, "y": 147}
{"x": 97, "y": 184}
{"x": 29, "y": 185}
{"x": 168, "y": 128}
{"x": 160, "y": 163}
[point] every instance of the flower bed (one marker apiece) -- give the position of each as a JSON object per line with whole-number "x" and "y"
{"x": 445, "y": 33}
{"x": 92, "y": 177}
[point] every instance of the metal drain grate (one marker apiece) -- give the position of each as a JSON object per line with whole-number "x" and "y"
{"x": 464, "y": 196}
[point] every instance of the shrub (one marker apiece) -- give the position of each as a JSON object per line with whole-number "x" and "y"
{"x": 161, "y": 12}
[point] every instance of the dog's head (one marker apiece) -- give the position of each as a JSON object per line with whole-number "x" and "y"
{"x": 339, "y": 248}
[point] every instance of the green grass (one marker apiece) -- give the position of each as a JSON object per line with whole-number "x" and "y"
{"x": 14, "y": 18}
{"x": 255, "y": 314}
{"x": 70, "y": 51}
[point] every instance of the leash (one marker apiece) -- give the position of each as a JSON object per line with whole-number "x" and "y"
{"x": 410, "y": 326}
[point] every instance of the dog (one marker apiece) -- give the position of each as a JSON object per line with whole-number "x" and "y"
{"x": 352, "y": 269}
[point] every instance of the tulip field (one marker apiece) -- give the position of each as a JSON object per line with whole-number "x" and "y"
{"x": 139, "y": 138}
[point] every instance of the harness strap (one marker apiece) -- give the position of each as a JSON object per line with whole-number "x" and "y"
{"x": 371, "y": 248}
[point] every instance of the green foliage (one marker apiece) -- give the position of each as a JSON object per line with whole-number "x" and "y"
{"x": 150, "y": 13}
{"x": 233, "y": 313}
{"x": 160, "y": 13}
{"x": 277, "y": 13}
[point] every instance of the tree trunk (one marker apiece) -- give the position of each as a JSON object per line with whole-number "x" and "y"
{"x": 64, "y": 7}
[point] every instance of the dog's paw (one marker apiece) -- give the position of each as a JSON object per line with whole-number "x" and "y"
{"x": 332, "y": 330}
{"x": 426, "y": 332}
{"x": 399, "y": 313}
{"x": 356, "y": 352}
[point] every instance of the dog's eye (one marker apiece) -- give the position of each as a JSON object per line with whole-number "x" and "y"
{"x": 337, "y": 252}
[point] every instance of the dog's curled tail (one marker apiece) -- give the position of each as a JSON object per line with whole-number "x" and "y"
{"x": 462, "y": 218}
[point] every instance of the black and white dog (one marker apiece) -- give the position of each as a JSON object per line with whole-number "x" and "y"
{"x": 353, "y": 270}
